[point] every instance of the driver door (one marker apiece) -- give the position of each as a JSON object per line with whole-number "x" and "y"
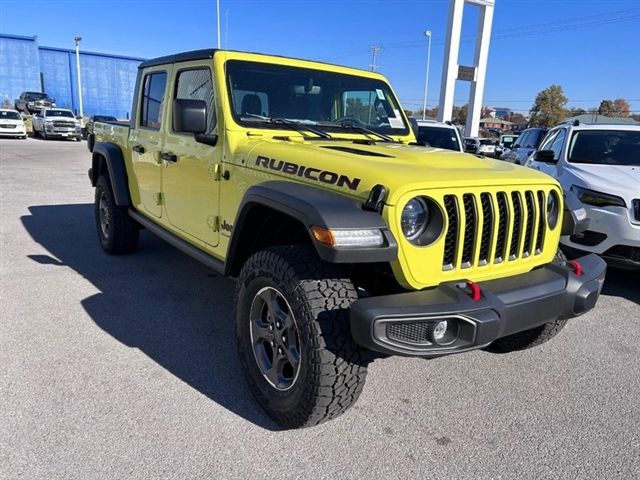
{"x": 189, "y": 184}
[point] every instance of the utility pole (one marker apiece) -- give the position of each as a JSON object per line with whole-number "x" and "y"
{"x": 375, "y": 50}
{"x": 77, "y": 40}
{"x": 426, "y": 78}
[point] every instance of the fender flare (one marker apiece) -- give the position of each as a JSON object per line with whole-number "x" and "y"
{"x": 313, "y": 206}
{"x": 114, "y": 160}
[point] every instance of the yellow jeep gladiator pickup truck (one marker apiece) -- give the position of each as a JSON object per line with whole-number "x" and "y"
{"x": 348, "y": 240}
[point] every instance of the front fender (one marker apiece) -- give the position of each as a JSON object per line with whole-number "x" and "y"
{"x": 114, "y": 160}
{"x": 313, "y": 206}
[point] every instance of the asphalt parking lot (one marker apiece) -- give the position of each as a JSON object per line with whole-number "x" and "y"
{"x": 125, "y": 367}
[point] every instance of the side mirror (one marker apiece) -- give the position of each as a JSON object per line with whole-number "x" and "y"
{"x": 189, "y": 116}
{"x": 414, "y": 126}
{"x": 545, "y": 156}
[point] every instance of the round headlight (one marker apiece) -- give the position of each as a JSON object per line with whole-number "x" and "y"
{"x": 553, "y": 209}
{"x": 415, "y": 217}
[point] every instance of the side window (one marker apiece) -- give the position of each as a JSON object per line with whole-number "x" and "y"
{"x": 522, "y": 139}
{"x": 197, "y": 85}
{"x": 548, "y": 140}
{"x": 558, "y": 143}
{"x": 152, "y": 98}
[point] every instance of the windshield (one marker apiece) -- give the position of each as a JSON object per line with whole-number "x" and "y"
{"x": 486, "y": 142}
{"x": 10, "y": 116}
{"x": 439, "y": 137}
{"x": 58, "y": 113}
{"x": 605, "y": 147}
{"x": 37, "y": 96}
{"x": 104, "y": 118}
{"x": 259, "y": 92}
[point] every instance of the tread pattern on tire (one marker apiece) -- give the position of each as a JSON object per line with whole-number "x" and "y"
{"x": 125, "y": 230}
{"x": 338, "y": 366}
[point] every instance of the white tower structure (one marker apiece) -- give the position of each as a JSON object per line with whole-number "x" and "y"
{"x": 475, "y": 73}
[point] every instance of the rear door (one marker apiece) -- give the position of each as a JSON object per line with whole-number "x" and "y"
{"x": 189, "y": 177}
{"x": 147, "y": 136}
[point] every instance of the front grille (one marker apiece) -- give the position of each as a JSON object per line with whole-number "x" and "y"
{"x": 63, "y": 124}
{"x": 493, "y": 227}
{"x": 636, "y": 209}
{"x": 451, "y": 207}
{"x": 409, "y": 332}
{"x": 4, "y": 125}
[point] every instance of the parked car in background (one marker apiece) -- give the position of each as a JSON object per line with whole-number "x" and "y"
{"x": 601, "y": 165}
{"x": 439, "y": 135}
{"x": 505, "y": 143}
{"x": 487, "y": 147}
{"x": 471, "y": 144}
{"x": 33, "y": 102}
{"x": 88, "y": 127}
{"x": 57, "y": 123}
{"x": 11, "y": 124}
{"x": 508, "y": 139}
{"x": 525, "y": 146}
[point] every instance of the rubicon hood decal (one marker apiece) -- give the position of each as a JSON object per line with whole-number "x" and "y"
{"x": 316, "y": 174}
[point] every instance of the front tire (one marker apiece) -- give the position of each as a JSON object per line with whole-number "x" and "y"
{"x": 294, "y": 339}
{"x": 117, "y": 231}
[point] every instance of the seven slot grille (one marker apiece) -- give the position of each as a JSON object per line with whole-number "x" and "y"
{"x": 493, "y": 227}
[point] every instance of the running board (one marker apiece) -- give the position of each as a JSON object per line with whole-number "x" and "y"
{"x": 180, "y": 244}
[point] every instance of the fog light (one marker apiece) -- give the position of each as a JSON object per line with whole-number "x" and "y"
{"x": 440, "y": 330}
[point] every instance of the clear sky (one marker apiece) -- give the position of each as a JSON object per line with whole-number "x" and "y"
{"x": 591, "y": 48}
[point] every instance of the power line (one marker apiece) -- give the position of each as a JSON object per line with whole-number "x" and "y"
{"x": 519, "y": 32}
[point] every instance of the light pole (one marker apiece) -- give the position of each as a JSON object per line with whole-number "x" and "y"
{"x": 426, "y": 79}
{"x": 77, "y": 40}
{"x": 218, "y": 20}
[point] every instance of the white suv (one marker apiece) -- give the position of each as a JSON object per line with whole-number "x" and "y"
{"x": 601, "y": 165}
{"x": 439, "y": 135}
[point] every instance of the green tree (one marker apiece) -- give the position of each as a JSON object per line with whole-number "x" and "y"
{"x": 606, "y": 108}
{"x": 549, "y": 107}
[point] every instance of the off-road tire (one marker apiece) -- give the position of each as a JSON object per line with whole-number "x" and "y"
{"x": 121, "y": 231}
{"x": 533, "y": 337}
{"x": 332, "y": 366}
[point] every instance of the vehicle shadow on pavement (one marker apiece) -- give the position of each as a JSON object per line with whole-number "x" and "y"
{"x": 622, "y": 283}
{"x": 158, "y": 300}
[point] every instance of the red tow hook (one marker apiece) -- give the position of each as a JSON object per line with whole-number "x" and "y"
{"x": 475, "y": 292}
{"x": 577, "y": 268}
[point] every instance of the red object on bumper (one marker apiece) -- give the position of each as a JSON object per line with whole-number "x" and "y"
{"x": 475, "y": 293}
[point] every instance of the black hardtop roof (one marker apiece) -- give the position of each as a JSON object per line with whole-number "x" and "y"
{"x": 207, "y": 53}
{"x": 203, "y": 54}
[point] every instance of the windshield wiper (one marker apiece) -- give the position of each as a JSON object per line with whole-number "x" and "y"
{"x": 297, "y": 126}
{"x": 360, "y": 129}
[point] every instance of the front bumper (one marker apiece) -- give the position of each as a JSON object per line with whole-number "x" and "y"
{"x": 401, "y": 324}
{"x": 62, "y": 132}
{"x": 13, "y": 132}
{"x": 609, "y": 229}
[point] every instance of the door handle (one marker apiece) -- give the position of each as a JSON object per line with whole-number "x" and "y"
{"x": 168, "y": 157}
{"x": 138, "y": 149}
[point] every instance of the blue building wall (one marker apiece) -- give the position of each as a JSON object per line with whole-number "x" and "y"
{"x": 19, "y": 66}
{"x": 107, "y": 80}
